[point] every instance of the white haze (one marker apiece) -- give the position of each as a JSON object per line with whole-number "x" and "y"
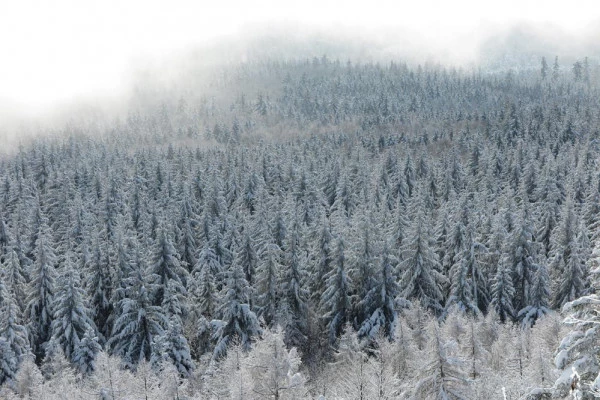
{"x": 55, "y": 52}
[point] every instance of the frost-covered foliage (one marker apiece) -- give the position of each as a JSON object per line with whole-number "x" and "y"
{"x": 336, "y": 200}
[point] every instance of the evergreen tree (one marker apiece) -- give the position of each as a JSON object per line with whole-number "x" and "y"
{"x": 99, "y": 286}
{"x": 140, "y": 322}
{"x": 267, "y": 284}
{"x": 468, "y": 288}
{"x": 40, "y": 298}
{"x": 15, "y": 276}
{"x": 421, "y": 277}
{"x": 205, "y": 274}
{"x": 503, "y": 293}
{"x": 166, "y": 267}
{"x": 237, "y": 319}
{"x": 573, "y": 274}
{"x": 12, "y": 328}
{"x": 539, "y": 294}
{"x": 173, "y": 347}
{"x": 363, "y": 275}
{"x": 186, "y": 237}
{"x": 86, "y": 351}
{"x": 544, "y": 70}
{"x": 520, "y": 256}
{"x": 71, "y": 316}
{"x": 336, "y": 301}
{"x": 323, "y": 262}
{"x": 295, "y": 296}
{"x": 8, "y": 363}
{"x": 248, "y": 259}
{"x": 381, "y": 302}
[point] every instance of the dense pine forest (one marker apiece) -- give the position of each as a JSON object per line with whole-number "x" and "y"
{"x": 311, "y": 229}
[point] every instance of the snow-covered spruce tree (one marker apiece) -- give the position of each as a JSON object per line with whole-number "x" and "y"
{"x": 380, "y": 302}
{"x": 323, "y": 262}
{"x": 71, "y": 316}
{"x": 336, "y": 300}
{"x": 295, "y": 295}
{"x": 237, "y": 320}
{"x": 99, "y": 286}
{"x": 550, "y": 198}
{"x": 468, "y": 286}
{"x": 11, "y": 327}
{"x": 8, "y": 363}
{"x": 14, "y": 274}
{"x": 5, "y": 238}
{"x": 503, "y": 292}
{"x": 186, "y": 232}
{"x": 538, "y": 303}
{"x": 520, "y": 257}
{"x": 456, "y": 238}
{"x": 205, "y": 274}
{"x": 421, "y": 277}
{"x": 124, "y": 246}
{"x": 363, "y": 273}
{"x": 141, "y": 322}
{"x": 573, "y": 275}
{"x": 267, "y": 284}
{"x": 39, "y": 311}
{"x": 247, "y": 257}
{"x": 86, "y": 351}
{"x": 165, "y": 266}
{"x": 55, "y": 363}
{"x": 173, "y": 347}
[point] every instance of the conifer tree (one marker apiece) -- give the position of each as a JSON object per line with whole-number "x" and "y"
{"x": 40, "y": 298}
{"x": 140, "y": 322}
{"x": 539, "y": 294}
{"x": 12, "y": 328}
{"x": 573, "y": 273}
{"x": 71, "y": 316}
{"x": 99, "y": 286}
{"x": 520, "y": 256}
{"x": 186, "y": 237}
{"x": 166, "y": 267}
{"x": 15, "y": 276}
{"x": 421, "y": 277}
{"x": 295, "y": 295}
{"x": 173, "y": 347}
{"x": 380, "y": 301}
{"x": 336, "y": 301}
{"x": 8, "y": 363}
{"x": 503, "y": 293}
{"x": 237, "y": 319}
{"x": 268, "y": 284}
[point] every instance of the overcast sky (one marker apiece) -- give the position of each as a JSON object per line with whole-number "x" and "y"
{"x": 52, "y": 51}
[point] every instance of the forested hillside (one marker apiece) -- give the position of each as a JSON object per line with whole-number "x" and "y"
{"x": 311, "y": 229}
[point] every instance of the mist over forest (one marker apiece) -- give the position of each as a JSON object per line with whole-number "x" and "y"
{"x": 297, "y": 213}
